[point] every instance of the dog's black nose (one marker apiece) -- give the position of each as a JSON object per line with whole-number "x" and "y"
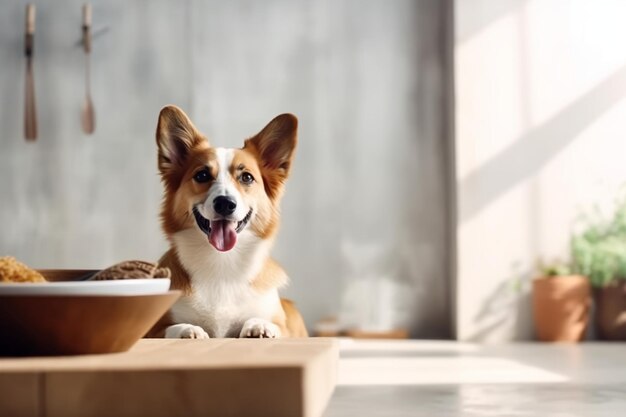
{"x": 224, "y": 205}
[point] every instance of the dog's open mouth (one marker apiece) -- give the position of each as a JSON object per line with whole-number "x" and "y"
{"x": 222, "y": 233}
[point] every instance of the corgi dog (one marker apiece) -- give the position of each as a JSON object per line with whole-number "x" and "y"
{"x": 220, "y": 214}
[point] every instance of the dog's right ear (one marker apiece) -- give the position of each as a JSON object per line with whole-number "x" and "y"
{"x": 175, "y": 136}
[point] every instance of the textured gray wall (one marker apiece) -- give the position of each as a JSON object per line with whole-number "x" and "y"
{"x": 366, "y": 79}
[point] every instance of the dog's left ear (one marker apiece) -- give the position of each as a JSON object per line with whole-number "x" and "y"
{"x": 275, "y": 145}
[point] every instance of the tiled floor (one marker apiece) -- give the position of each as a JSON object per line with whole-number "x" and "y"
{"x": 421, "y": 378}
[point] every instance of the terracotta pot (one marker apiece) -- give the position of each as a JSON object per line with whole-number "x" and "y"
{"x": 561, "y": 308}
{"x": 611, "y": 311}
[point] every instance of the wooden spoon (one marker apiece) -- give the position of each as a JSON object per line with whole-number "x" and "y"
{"x": 30, "y": 114}
{"x": 88, "y": 118}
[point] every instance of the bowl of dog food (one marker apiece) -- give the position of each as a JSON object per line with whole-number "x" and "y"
{"x": 70, "y": 312}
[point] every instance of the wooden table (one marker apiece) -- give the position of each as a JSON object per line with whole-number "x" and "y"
{"x": 166, "y": 377}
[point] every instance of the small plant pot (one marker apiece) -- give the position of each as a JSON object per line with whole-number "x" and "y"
{"x": 611, "y": 311}
{"x": 561, "y": 308}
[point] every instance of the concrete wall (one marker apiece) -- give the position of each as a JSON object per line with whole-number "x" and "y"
{"x": 366, "y": 78}
{"x": 540, "y": 128}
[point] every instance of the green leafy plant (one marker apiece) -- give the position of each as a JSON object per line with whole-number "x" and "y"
{"x": 556, "y": 269}
{"x": 599, "y": 250}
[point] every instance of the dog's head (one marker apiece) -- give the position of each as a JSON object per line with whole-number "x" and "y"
{"x": 223, "y": 192}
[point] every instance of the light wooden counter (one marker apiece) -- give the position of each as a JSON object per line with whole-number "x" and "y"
{"x": 166, "y": 377}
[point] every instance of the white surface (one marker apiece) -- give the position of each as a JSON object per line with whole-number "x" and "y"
{"x": 431, "y": 363}
{"x": 117, "y": 287}
{"x": 448, "y": 379}
{"x": 436, "y": 371}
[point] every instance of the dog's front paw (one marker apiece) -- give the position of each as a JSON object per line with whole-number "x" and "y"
{"x": 185, "y": 331}
{"x": 259, "y": 328}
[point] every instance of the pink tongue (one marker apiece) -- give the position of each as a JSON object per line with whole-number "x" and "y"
{"x": 223, "y": 235}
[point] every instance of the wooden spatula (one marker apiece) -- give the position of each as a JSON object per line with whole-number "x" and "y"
{"x": 87, "y": 116}
{"x": 30, "y": 114}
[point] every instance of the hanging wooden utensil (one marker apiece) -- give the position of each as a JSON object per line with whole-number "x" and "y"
{"x": 87, "y": 117}
{"x": 30, "y": 114}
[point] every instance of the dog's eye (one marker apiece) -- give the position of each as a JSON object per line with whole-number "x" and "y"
{"x": 246, "y": 178}
{"x": 202, "y": 176}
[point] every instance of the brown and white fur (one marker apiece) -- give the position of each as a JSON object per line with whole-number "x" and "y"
{"x": 221, "y": 213}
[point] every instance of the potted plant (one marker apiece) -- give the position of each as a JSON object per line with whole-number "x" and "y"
{"x": 599, "y": 251}
{"x": 561, "y": 302}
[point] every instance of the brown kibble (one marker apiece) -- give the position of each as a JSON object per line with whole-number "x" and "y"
{"x": 132, "y": 270}
{"x": 12, "y": 270}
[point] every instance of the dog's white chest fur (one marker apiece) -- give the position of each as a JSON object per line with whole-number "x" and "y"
{"x": 221, "y": 312}
{"x": 222, "y": 297}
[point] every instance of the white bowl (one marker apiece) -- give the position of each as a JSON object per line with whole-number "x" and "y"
{"x": 116, "y": 287}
